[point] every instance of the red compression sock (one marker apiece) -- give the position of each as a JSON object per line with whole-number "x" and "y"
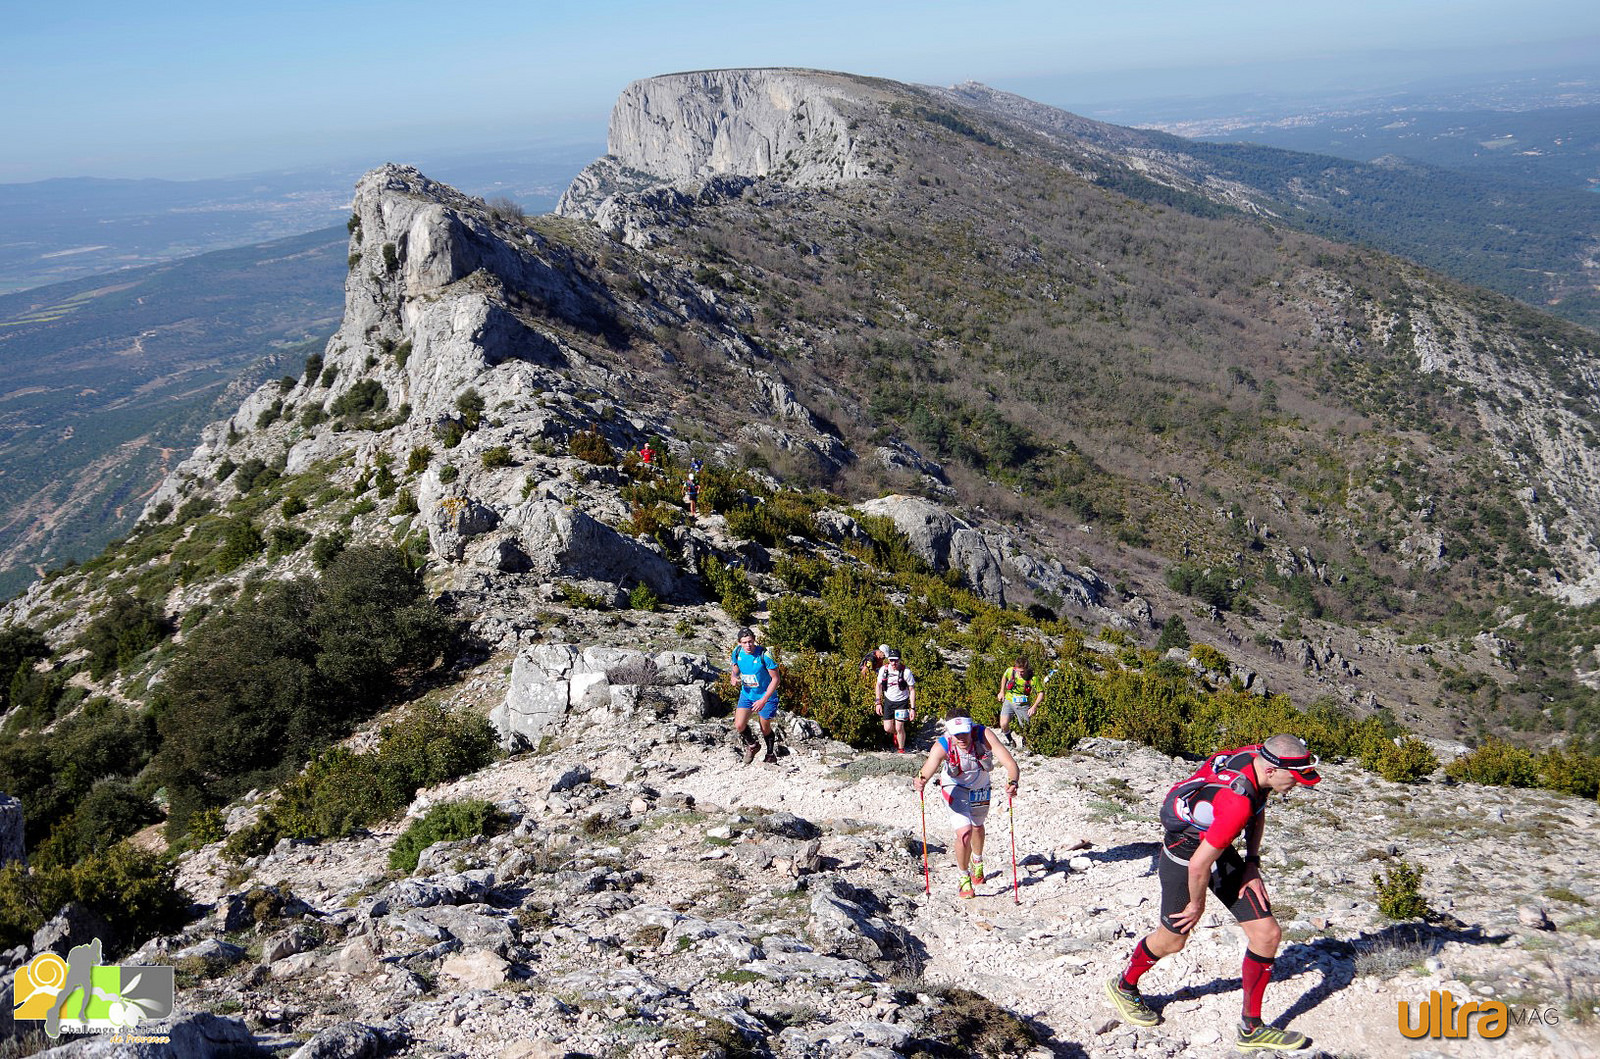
{"x": 1256, "y": 974}
{"x": 1140, "y": 962}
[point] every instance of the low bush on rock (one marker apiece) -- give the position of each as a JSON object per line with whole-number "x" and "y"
{"x": 445, "y": 822}
{"x": 130, "y": 889}
{"x": 340, "y": 791}
{"x": 255, "y": 688}
{"x": 1399, "y": 893}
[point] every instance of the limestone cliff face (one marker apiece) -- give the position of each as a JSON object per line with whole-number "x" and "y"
{"x": 689, "y": 128}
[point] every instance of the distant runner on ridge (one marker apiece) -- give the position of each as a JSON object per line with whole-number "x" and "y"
{"x": 1203, "y": 816}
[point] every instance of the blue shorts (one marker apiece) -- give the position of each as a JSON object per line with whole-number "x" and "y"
{"x": 748, "y": 702}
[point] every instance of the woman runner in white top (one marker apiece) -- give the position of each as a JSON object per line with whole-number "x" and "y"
{"x": 963, "y": 758}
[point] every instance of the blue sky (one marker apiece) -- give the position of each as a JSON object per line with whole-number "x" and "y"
{"x": 183, "y": 89}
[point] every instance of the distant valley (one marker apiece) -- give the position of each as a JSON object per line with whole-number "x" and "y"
{"x": 57, "y": 230}
{"x": 109, "y": 379}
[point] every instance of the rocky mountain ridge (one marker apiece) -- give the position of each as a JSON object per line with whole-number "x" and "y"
{"x": 648, "y": 897}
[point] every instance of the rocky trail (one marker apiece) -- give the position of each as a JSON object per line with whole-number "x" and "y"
{"x": 655, "y": 897}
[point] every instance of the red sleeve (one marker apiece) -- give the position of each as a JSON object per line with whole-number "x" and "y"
{"x": 1230, "y": 811}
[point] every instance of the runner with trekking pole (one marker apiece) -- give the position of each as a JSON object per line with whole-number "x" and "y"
{"x": 962, "y": 758}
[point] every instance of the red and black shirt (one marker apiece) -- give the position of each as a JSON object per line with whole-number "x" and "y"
{"x": 1214, "y": 804}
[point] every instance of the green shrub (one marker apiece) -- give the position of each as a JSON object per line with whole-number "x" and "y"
{"x": 294, "y": 504}
{"x": 270, "y": 414}
{"x": 642, "y": 598}
{"x": 591, "y": 446}
{"x": 366, "y": 397}
{"x": 470, "y": 405}
{"x": 254, "y": 472}
{"x": 326, "y": 548}
{"x": 1496, "y": 762}
{"x": 890, "y": 549}
{"x": 799, "y": 624}
{"x": 1209, "y": 657}
{"x": 1570, "y": 771}
{"x": 404, "y": 504}
{"x": 391, "y": 258}
{"x": 1399, "y": 895}
{"x": 1173, "y": 634}
{"x": 402, "y": 353}
{"x": 418, "y": 459}
{"x": 828, "y": 690}
{"x": 207, "y": 826}
{"x": 449, "y": 473}
{"x": 123, "y": 631}
{"x": 1072, "y": 709}
{"x": 286, "y": 540}
{"x": 1406, "y": 762}
{"x": 110, "y": 812}
{"x": 1210, "y": 586}
{"x": 21, "y": 647}
{"x": 254, "y": 689}
{"x": 243, "y": 543}
{"x": 313, "y": 369}
{"x": 129, "y": 888}
{"x": 497, "y": 456}
{"x": 731, "y": 590}
{"x": 802, "y": 573}
{"x": 445, "y": 822}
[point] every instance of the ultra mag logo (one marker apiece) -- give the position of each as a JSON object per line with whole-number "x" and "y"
{"x": 1441, "y": 1016}
{"x": 80, "y": 995}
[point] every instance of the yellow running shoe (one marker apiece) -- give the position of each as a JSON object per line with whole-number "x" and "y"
{"x": 1270, "y": 1038}
{"x": 1129, "y": 1004}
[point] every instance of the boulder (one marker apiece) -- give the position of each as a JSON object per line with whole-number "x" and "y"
{"x": 943, "y": 541}
{"x": 349, "y": 1040}
{"x": 559, "y": 541}
{"x": 73, "y": 924}
{"x": 476, "y": 970}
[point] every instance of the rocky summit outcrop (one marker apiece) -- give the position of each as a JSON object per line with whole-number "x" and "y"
{"x": 690, "y": 128}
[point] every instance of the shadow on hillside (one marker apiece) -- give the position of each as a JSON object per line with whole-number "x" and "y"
{"x": 1126, "y": 851}
{"x": 1383, "y": 953}
{"x": 1321, "y": 967}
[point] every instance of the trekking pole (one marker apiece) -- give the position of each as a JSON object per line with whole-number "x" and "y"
{"x": 927, "y": 877}
{"x": 1016, "y": 891}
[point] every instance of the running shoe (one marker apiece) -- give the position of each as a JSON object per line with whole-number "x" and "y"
{"x": 750, "y": 753}
{"x": 1009, "y": 741}
{"x": 1270, "y": 1038}
{"x": 770, "y": 759}
{"x": 1129, "y": 1004}
{"x": 965, "y": 889}
{"x": 977, "y": 872}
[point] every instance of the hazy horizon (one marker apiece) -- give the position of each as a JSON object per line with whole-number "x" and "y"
{"x": 193, "y": 91}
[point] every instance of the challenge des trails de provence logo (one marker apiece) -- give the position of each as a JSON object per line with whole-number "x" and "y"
{"x": 79, "y": 995}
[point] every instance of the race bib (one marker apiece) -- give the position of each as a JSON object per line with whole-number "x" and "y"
{"x": 750, "y": 680}
{"x": 1018, "y": 699}
{"x": 979, "y": 796}
{"x": 902, "y": 715}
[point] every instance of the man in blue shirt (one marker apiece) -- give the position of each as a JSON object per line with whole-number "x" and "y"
{"x": 755, "y": 674}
